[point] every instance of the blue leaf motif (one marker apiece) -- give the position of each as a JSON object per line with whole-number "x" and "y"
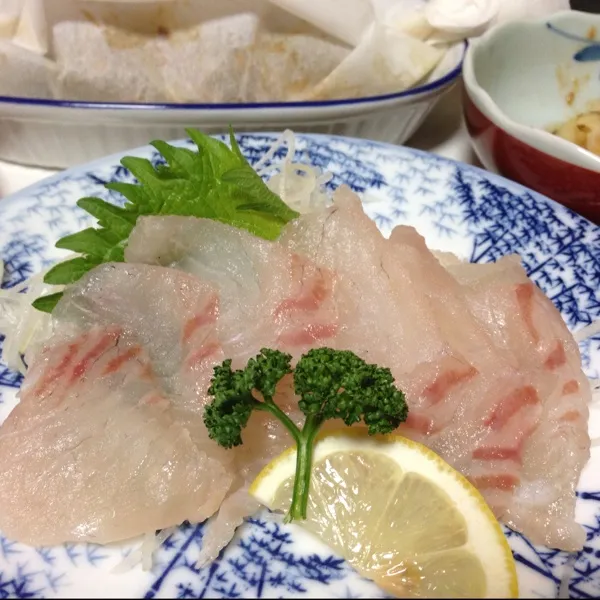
{"x": 588, "y": 54}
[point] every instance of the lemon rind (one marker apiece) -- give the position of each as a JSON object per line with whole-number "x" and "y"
{"x": 492, "y": 548}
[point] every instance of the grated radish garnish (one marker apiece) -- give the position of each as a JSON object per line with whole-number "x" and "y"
{"x": 287, "y": 137}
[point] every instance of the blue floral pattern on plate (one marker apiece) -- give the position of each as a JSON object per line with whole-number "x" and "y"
{"x": 456, "y": 207}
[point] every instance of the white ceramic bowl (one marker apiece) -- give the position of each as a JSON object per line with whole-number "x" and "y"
{"x": 524, "y": 77}
{"x": 59, "y": 134}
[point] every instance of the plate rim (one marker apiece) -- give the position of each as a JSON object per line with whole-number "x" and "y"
{"x": 352, "y": 141}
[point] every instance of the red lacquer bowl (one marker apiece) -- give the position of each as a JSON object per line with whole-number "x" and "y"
{"x": 515, "y": 82}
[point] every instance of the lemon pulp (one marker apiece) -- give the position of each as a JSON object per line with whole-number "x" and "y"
{"x": 400, "y": 515}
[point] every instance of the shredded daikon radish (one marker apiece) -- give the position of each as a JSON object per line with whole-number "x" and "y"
{"x": 222, "y": 526}
{"x": 286, "y": 137}
{"x": 20, "y": 323}
{"x": 565, "y": 580}
{"x": 300, "y": 186}
{"x": 588, "y": 331}
{"x": 144, "y": 552}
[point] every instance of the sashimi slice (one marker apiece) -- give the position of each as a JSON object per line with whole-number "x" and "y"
{"x": 380, "y": 318}
{"x": 523, "y": 321}
{"x": 94, "y": 452}
{"x": 270, "y": 297}
{"x": 156, "y": 327}
{"x": 107, "y": 441}
{"x": 482, "y": 387}
{"x": 398, "y": 307}
{"x": 172, "y": 315}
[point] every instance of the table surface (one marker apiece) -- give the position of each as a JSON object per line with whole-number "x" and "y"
{"x": 442, "y": 133}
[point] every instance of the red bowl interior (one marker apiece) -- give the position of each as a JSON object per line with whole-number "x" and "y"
{"x": 571, "y": 185}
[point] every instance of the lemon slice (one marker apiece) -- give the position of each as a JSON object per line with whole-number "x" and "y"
{"x": 399, "y": 515}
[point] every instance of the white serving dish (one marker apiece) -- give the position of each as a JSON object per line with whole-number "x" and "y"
{"x": 526, "y": 77}
{"x": 59, "y": 134}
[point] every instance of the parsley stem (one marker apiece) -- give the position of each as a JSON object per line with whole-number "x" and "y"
{"x": 270, "y": 406}
{"x": 304, "y": 454}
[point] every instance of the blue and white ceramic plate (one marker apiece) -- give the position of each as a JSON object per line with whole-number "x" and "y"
{"x": 477, "y": 215}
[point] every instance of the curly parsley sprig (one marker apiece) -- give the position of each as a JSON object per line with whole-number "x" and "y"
{"x": 331, "y": 384}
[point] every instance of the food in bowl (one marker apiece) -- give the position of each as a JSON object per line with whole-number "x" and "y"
{"x": 521, "y": 77}
{"x": 582, "y": 130}
{"x": 202, "y": 52}
{"x": 215, "y": 320}
{"x": 42, "y": 125}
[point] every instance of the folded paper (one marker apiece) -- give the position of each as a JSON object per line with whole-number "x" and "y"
{"x": 231, "y": 51}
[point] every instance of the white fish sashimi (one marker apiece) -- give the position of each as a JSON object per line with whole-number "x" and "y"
{"x": 492, "y": 376}
{"x": 94, "y": 451}
{"x": 171, "y": 315}
{"x": 527, "y": 326}
{"x": 106, "y": 443}
{"x": 343, "y": 240}
{"x": 126, "y": 375}
{"x": 270, "y": 296}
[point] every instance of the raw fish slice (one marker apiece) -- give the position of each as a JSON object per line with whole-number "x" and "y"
{"x": 170, "y": 314}
{"x": 539, "y": 420}
{"x": 175, "y": 316}
{"x": 376, "y": 319}
{"x": 399, "y": 307}
{"x": 482, "y": 406}
{"x": 407, "y": 258}
{"x": 270, "y": 297}
{"x": 308, "y": 316}
{"x": 250, "y": 274}
{"x": 94, "y": 452}
{"x": 479, "y": 392}
{"x": 142, "y": 331}
{"x": 164, "y": 309}
{"x": 470, "y": 352}
{"x": 527, "y": 325}
{"x": 402, "y": 309}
